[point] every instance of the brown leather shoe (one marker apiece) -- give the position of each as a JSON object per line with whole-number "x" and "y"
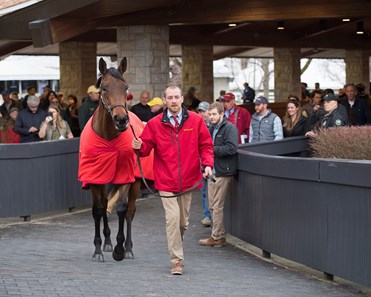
{"x": 213, "y": 242}
{"x": 177, "y": 269}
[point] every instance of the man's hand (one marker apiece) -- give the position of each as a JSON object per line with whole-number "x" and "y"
{"x": 33, "y": 130}
{"x": 136, "y": 143}
{"x": 310, "y": 134}
{"x": 208, "y": 172}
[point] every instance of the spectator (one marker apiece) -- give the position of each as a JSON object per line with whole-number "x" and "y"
{"x": 362, "y": 95}
{"x": 129, "y": 101}
{"x": 182, "y": 144}
{"x": 293, "y": 123}
{"x": 141, "y": 109}
{"x": 8, "y": 104}
{"x": 190, "y": 100}
{"x": 265, "y": 125}
{"x": 7, "y": 134}
{"x": 225, "y": 138}
{"x": 62, "y": 104}
{"x": 238, "y": 116}
{"x": 28, "y": 121}
{"x": 44, "y": 98}
{"x": 31, "y": 91}
{"x": 14, "y": 96}
{"x": 73, "y": 112}
{"x": 314, "y": 105}
{"x": 305, "y": 95}
{"x": 248, "y": 94}
{"x": 156, "y": 105}
{"x": 54, "y": 127}
{"x": 202, "y": 110}
{"x": 334, "y": 116}
{"x": 88, "y": 106}
{"x": 221, "y": 96}
{"x": 357, "y": 108}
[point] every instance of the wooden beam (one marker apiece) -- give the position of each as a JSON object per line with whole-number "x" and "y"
{"x": 10, "y": 47}
{"x": 230, "y": 52}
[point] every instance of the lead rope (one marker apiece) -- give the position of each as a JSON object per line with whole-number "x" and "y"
{"x": 145, "y": 182}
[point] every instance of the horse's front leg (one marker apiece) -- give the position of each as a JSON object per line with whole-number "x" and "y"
{"x": 118, "y": 253}
{"x": 99, "y": 212}
{"x": 133, "y": 194}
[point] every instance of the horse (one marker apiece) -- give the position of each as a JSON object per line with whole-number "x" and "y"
{"x": 106, "y": 157}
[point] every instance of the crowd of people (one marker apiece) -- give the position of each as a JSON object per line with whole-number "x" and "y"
{"x": 192, "y": 140}
{"x": 35, "y": 118}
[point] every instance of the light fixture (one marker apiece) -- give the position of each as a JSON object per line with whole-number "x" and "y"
{"x": 232, "y": 25}
{"x": 346, "y": 19}
{"x": 360, "y": 29}
{"x": 280, "y": 25}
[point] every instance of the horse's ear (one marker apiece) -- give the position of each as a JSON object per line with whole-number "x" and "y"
{"x": 102, "y": 66}
{"x": 123, "y": 65}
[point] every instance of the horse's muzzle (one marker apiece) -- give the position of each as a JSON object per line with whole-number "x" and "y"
{"x": 121, "y": 122}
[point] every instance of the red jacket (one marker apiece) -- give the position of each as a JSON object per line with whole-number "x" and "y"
{"x": 179, "y": 155}
{"x": 242, "y": 121}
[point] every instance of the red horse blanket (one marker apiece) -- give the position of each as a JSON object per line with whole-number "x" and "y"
{"x": 102, "y": 161}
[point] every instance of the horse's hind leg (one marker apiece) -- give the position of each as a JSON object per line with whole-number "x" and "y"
{"x": 99, "y": 212}
{"x": 133, "y": 194}
{"x": 118, "y": 253}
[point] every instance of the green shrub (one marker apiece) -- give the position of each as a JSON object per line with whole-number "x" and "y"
{"x": 342, "y": 143}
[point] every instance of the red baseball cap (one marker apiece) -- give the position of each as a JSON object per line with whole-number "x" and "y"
{"x": 228, "y": 97}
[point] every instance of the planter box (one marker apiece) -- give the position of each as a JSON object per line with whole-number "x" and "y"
{"x": 313, "y": 211}
{"x": 40, "y": 177}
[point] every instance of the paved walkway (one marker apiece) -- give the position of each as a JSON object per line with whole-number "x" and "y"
{"x": 52, "y": 257}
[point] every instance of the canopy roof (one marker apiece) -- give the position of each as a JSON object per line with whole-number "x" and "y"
{"x": 316, "y": 26}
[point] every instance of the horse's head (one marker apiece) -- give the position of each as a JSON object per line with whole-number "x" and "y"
{"x": 113, "y": 91}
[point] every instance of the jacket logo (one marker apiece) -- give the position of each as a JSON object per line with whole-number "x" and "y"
{"x": 188, "y": 129}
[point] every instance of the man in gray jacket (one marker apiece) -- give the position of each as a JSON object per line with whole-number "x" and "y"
{"x": 225, "y": 139}
{"x": 265, "y": 125}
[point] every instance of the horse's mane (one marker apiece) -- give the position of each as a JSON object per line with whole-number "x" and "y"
{"x": 110, "y": 71}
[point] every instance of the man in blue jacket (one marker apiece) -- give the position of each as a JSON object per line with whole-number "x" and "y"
{"x": 28, "y": 121}
{"x": 225, "y": 139}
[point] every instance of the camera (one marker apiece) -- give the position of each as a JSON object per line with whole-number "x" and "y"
{"x": 49, "y": 114}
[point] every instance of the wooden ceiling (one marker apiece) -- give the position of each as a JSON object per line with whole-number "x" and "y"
{"x": 316, "y": 26}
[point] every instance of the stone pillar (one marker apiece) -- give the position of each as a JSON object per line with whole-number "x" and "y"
{"x": 357, "y": 67}
{"x": 147, "y": 51}
{"x": 286, "y": 73}
{"x": 78, "y": 67}
{"x": 197, "y": 71}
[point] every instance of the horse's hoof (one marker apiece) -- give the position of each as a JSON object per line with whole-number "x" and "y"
{"x": 118, "y": 254}
{"x": 107, "y": 247}
{"x": 97, "y": 257}
{"x": 129, "y": 255}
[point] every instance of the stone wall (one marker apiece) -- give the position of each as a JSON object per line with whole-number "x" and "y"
{"x": 78, "y": 67}
{"x": 147, "y": 51}
{"x": 286, "y": 73}
{"x": 197, "y": 71}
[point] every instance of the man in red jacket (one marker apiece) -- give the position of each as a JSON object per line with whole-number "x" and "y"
{"x": 182, "y": 145}
{"x": 238, "y": 116}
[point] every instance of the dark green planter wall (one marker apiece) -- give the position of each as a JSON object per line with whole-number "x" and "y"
{"x": 313, "y": 211}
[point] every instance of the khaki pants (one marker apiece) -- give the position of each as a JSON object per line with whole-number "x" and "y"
{"x": 177, "y": 220}
{"x": 216, "y": 194}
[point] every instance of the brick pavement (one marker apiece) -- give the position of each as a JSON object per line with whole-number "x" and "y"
{"x": 52, "y": 257}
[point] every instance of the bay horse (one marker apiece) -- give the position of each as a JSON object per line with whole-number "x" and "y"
{"x": 106, "y": 157}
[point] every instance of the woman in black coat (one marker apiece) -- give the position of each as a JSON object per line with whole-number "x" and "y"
{"x": 293, "y": 123}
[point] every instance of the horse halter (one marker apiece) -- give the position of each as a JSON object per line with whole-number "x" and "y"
{"x": 108, "y": 107}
